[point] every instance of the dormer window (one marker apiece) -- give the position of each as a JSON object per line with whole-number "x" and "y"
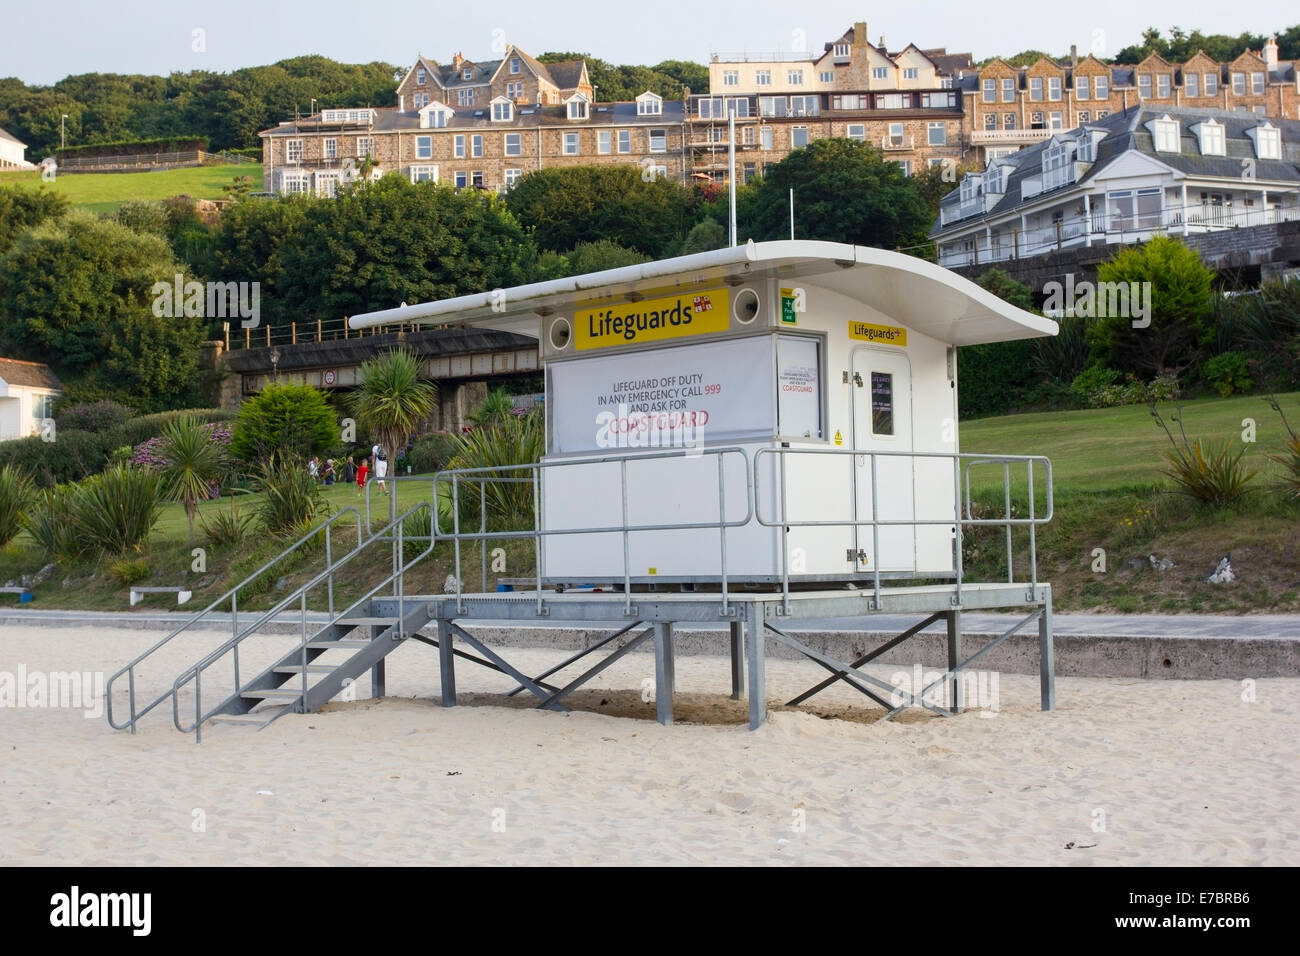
{"x": 993, "y": 180}
{"x": 1211, "y": 136}
{"x": 1268, "y": 141}
{"x": 1166, "y": 135}
{"x": 436, "y": 116}
{"x": 577, "y": 107}
{"x": 1087, "y": 149}
{"x": 651, "y": 104}
{"x": 841, "y": 49}
{"x": 970, "y": 187}
{"x": 1057, "y": 170}
{"x": 503, "y": 110}
{"x": 467, "y": 73}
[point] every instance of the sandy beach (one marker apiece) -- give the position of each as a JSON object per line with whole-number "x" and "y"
{"x": 1125, "y": 771}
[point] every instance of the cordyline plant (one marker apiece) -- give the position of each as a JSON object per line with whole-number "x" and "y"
{"x": 192, "y": 463}
{"x": 1290, "y": 457}
{"x": 392, "y": 402}
{"x": 1209, "y": 472}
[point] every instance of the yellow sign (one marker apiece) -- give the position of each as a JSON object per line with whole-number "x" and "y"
{"x": 878, "y": 334}
{"x": 650, "y": 320}
{"x": 839, "y": 439}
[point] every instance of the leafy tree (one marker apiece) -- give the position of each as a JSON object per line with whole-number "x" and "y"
{"x": 76, "y": 293}
{"x": 705, "y": 235}
{"x": 290, "y": 421}
{"x": 392, "y": 241}
{"x": 600, "y": 255}
{"x": 996, "y": 378}
{"x": 935, "y": 182}
{"x": 1181, "y": 309}
{"x": 250, "y": 244}
{"x": 844, "y": 191}
{"x": 23, "y": 208}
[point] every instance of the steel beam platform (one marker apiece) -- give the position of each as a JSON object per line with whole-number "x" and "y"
{"x": 754, "y": 618}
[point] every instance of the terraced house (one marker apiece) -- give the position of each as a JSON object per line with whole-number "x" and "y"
{"x": 1011, "y": 107}
{"x": 928, "y": 106}
{"x": 477, "y": 125}
{"x": 907, "y": 103}
{"x": 1136, "y": 173}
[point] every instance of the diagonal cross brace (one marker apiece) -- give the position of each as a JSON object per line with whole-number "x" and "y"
{"x": 509, "y": 668}
{"x": 576, "y": 657}
{"x": 828, "y": 662}
{"x": 432, "y": 642}
{"x": 593, "y": 671}
{"x": 865, "y": 659}
{"x": 949, "y": 675}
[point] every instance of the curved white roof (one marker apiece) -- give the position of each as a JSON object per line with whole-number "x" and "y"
{"x": 917, "y": 293}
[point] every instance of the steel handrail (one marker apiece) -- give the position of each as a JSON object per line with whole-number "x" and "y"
{"x": 194, "y": 671}
{"x": 495, "y": 473}
{"x": 233, "y": 596}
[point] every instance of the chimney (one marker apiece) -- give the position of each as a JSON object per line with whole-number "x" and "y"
{"x": 860, "y": 34}
{"x": 1270, "y": 52}
{"x": 457, "y": 60}
{"x": 881, "y": 44}
{"x": 1074, "y": 56}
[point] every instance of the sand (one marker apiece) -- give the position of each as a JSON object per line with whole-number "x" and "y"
{"x": 1124, "y": 772}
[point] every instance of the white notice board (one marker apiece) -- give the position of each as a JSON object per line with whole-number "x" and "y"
{"x": 663, "y": 398}
{"x": 799, "y": 386}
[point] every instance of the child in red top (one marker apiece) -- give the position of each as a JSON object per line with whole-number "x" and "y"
{"x": 362, "y": 471}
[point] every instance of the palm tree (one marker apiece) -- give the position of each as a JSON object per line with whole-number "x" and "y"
{"x": 193, "y": 463}
{"x": 392, "y": 402}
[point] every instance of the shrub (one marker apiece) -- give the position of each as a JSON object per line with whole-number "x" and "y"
{"x": 496, "y": 406}
{"x": 291, "y": 421}
{"x": 194, "y": 464}
{"x": 1227, "y": 373}
{"x": 47, "y": 523}
{"x": 415, "y": 527}
{"x": 1208, "y": 472}
{"x": 290, "y": 496}
{"x": 1090, "y": 381}
{"x": 1162, "y": 388}
{"x": 114, "y": 512}
{"x": 128, "y": 572}
{"x": 94, "y": 417}
{"x": 72, "y": 456}
{"x": 1268, "y": 326}
{"x": 431, "y": 453}
{"x": 513, "y": 441}
{"x": 226, "y": 528}
{"x": 1061, "y": 357}
{"x": 141, "y": 429}
{"x": 15, "y": 496}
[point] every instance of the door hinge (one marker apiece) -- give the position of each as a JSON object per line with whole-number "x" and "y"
{"x": 856, "y": 554}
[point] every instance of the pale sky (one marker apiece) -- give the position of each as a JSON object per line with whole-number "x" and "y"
{"x": 42, "y": 43}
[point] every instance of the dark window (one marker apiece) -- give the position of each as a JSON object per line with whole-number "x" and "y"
{"x": 882, "y": 403}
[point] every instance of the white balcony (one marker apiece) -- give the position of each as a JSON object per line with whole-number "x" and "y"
{"x": 1007, "y": 137}
{"x": 895, "y": 143}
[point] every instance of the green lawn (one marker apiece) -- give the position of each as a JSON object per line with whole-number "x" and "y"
{"x": 105, "y": 192}
{"x": 1114, "y": 448}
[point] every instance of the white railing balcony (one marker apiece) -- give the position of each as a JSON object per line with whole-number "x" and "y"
{"x": 889, "y": 143}
{"x": 1009, "y": 136}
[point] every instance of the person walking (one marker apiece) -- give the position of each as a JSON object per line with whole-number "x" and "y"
{"x": 362, "y": 471}
{"x": 381, "y": 467}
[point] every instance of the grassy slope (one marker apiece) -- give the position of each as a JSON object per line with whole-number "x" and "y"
{"x": 1110, "y": 495}
{"x": 105, "y": 192}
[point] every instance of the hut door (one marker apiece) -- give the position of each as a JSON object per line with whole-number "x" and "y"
{"x": 881, "y": 385}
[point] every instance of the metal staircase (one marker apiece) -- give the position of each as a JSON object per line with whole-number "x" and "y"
{"x": 325, "y": 661}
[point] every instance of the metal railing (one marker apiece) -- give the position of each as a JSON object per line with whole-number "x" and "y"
{"x": 392, "y": 532}
{"x": 233, "y": 597}
{"x": 961, "y": 492}
{"x": 1102, "y": 227}
{"x": 485, "y": 476}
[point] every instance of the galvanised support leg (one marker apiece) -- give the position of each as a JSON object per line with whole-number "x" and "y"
{"x": 664, "y": 672}
{"x": 737, "y": 659}
{"x": 377, "y": 671}
{"x": 1047, "y": 653}
{"x": 446, "y": 664}
{"x": 754, "y": 641}
{"x": 956, "y": 694}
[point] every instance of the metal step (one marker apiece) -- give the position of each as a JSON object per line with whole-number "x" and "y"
{"x": 350, "y": 643}
{"x": 311, "y": 669}
{"x": 259, "y": 718}
{"x": 273, "y": 693}
{"x": 357, "y": 621}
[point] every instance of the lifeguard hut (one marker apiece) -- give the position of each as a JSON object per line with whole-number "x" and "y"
{"x": 772, "y": 422}
{"x": 755, "y": 437}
